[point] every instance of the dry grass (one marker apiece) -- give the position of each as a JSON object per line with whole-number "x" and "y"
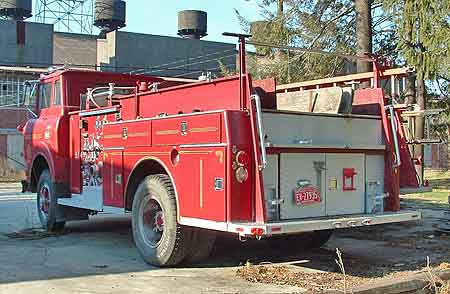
{"x": 342, "y": 281}
{"x": 440, "y": 286}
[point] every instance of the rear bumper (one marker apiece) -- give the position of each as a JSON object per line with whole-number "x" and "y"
{"x": 298, "y": 226}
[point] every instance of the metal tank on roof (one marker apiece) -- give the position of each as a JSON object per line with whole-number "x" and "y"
{"x": 192, "y": 24}
{"x": 110, "y": 14}
{"x": 15, "y": 9}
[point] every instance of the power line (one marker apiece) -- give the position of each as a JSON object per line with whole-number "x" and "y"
{"x": 197, "y": 57}
{"x": 191, "y": 64}
{"x": 95, "y": 66}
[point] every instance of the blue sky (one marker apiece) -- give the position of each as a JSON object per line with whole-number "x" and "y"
{"x": 160, "y": 17}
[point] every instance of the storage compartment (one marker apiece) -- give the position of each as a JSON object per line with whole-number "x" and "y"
{"x": 309, "y": 185}
{"x": 375, "y": 184}
{"x": 302, "y": 185}
{"x": 270, "y": 178}
{"x": 346, "y": 189}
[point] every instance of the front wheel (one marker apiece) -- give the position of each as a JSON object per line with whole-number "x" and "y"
{"x": 47, "y": 205}
{"x": 160, "y": 240}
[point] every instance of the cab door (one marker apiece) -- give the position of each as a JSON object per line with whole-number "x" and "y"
{"x": 50, "y": 129}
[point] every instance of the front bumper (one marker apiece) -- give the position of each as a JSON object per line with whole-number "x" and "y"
{"x": 330, "y": 223}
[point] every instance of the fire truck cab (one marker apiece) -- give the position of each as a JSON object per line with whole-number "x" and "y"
{"x": 188, "y": 159}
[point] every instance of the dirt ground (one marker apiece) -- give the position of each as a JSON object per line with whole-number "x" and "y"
{"x": 374, "y": 253}
{"x": 99, "y": 257}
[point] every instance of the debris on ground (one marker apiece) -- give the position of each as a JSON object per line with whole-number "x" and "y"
{"x": 444, "y": 266}
{"x": 320, "y": 282}
{"x": 282, "y": 275}
{"x": 31, "y": 234}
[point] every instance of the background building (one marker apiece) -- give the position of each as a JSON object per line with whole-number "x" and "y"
{"x": 28, "y": 49}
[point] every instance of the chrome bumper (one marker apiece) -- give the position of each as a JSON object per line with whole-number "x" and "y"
{"x": 307, "y": 225}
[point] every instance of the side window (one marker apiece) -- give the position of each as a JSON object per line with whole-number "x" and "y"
{"x": 57, "y": 93}
{"x": 45, "y": 92}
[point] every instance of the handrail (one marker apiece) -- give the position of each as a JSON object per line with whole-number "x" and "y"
{"x": 260, "y": 131}
{"x": 394, "y": 128}
{"x": 109, "y": 93}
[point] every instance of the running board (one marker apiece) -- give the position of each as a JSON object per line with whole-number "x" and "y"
{"x": 92, "y": 199}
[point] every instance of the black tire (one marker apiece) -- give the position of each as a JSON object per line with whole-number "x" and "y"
{"x": 160, "y": 240}
{"x": 202, "y": 245}
{"x": 48, "y": 209}
{"x": 291, "y": 243}
{"x": 320, "y": 238}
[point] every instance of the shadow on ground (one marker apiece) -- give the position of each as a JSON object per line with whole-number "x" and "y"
{"x": 104, "y": 246}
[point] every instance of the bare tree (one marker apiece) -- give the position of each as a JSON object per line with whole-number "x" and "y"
{"x": 363, "y": 33}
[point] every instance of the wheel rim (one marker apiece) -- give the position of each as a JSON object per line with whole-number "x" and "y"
{"x": 151, "y": 222}
{"x": 44, "y": 201}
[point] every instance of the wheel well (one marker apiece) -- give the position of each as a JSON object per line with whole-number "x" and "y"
{"x": 143, "y": 169}
{"x": 39, "y": 165}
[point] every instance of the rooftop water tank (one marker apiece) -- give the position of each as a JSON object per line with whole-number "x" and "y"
{"x": 110, "y": 14}
{"x": 192, "y": 24}
{"x": 15, "y": 9}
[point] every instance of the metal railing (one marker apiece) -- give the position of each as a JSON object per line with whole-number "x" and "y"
{"x": 259, "y": 125}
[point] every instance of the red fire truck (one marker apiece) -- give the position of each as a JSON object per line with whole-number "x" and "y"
{"x": 187, "y": 159}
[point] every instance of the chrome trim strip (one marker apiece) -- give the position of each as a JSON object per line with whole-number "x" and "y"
{"x": 203, "y": 223}
{"x": 113, "y": 148}
{"x": 167, "y": 117}
{"x": 318, "y": 146}
{"x": 98, "y": 112}
{"x": 204, "y": 145}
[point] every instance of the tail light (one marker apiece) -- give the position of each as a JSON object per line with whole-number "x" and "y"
{"x": 241, "y": 162}
{"x": 241, "y": 174}
{"x": 242, "y": 158}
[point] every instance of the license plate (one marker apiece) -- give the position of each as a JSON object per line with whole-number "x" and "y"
{"x": 307, "y": 195}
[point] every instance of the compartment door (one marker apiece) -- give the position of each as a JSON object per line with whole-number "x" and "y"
{"x": 75, "y": 151}
{"x": 200, "y": 182}
{"x": 113, "y": 179}
{"x": 346, "y": 187}
{"x": 302, "y": 175}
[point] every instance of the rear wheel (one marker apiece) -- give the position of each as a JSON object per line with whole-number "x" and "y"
{"x": 202, "y": 245}
{"x": 47, "y": 205}
{"x": 160, "y": 240}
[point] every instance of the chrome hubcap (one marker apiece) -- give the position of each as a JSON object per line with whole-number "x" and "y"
{"x": 151, "y": 222}
{"x": 44, "y": 200}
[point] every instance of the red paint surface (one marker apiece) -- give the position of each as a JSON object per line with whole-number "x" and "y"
{"x": 153, "y": 124}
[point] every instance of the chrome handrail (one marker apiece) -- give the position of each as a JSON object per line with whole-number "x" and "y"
{"x": 260, "y": 131}
{"x": 394, "y": 135}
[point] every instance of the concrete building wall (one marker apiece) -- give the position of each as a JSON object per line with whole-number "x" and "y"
{"x": 75, "y": 49}
{"x": 26, "y": 43}
{"x": 166, "y": 56}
